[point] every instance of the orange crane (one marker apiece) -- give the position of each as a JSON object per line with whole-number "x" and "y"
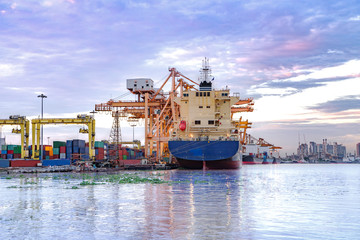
{"x": 158, "y": 109}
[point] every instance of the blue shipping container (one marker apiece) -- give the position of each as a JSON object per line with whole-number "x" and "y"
{"x": 75, "y": 149}
{"x": 4, "y": 163}
{"x": 3, "y": 152}
{"x": 10, "y": 156}
{"x": 57, "y": 162}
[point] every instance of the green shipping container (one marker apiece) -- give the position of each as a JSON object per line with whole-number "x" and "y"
{"x": 124, "y": 157}
{"x": 4, "y": 147}
{"x": 10, "y": 147}
{"x": 99, "y": 144}
{"x": 17, "y": 149}
{"x": 58, "y": 144}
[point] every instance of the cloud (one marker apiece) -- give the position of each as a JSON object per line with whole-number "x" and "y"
{"x": 7, "y": 70}
{"x": 356, "y": 18}
{"x": 330, "y": 51}
{"x": 310, "y": 104}
{"x": 347, "y": 69}
{"x": 339, "y": 105}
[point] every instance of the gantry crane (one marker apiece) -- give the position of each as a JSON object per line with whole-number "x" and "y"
{"x": 81, "y": 119}
{"x": 24, "y": 129}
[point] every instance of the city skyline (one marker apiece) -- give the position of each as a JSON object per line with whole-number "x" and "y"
{"x": 298, "y": 60}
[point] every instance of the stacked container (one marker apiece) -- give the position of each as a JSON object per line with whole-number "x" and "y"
{"x": 10, "y": 152}
{"x": 48, "y": 152}
{"x": 59, "y": 150}
{"x": 111, "y": 151}
{"x": 68, "y": 149}
{"x": 99, "y": 150}
{"x": 17, "y": 151}
{"x": 78, "y": 149}
{"x": 3, "y": 152}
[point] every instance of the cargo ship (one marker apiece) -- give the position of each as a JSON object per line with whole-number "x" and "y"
{"x": 206, "y": 136}
{"x": 257, "y": 154}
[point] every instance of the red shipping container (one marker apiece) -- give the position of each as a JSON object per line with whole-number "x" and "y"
{"x": 10, "y": 151}
{"x": 3, "y": 156}
{"x": 17, "y": 155}
{"x": 24, "y": 163}
{"x": 62, "y": 149}
{"x": 100, "y": 151}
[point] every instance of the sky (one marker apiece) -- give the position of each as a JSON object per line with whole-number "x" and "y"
{"x": 299, "y": 60}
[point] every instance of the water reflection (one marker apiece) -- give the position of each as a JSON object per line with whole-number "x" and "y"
{"x": 198, "y": 205}
{"x": 256, "y": 202}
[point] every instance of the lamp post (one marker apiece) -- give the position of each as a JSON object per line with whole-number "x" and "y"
{"x": 133, "y": 124}
{"x": 42, "y": 96}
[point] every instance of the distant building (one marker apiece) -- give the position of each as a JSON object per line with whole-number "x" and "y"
{"x": 319, "y": 148}
{"x": 324, "y": 148}
{"x": 330, "y": 149}
{"x": 341, "y": 151}
{"x": 303, "y": 150}
{"x": 313, "y": 148}
{"x": 358, "y": 149}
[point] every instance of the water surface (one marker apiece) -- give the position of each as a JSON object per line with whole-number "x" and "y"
{"x": 256, "y": 202}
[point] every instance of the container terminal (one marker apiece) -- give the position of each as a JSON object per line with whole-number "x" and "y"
{"x": 157, "y": 108}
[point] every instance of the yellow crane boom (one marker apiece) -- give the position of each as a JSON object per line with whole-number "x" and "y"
{"x": 81, "y": 119}
{"x": 24, "y": 129}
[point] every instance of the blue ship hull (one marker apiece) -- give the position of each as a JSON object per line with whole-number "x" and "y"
{"x": 206, "y": 154}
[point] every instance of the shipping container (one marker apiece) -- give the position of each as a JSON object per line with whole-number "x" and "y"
{"x": 62, "y": 149}
{"x": 10, "y": 147}
{"x": 24, "y": 163}
{"x": 4, "y": 163}
{"x": 56, "y": 151}
{"x": 57, "y": 162}
{"x": 99, "y": 144}
{"x": 58, "y": 144}
{"x": 17, "y": 149}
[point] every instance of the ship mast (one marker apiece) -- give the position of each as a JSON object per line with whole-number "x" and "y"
{"x": 205, "y": 71}
{"x": 205, "y": 77}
